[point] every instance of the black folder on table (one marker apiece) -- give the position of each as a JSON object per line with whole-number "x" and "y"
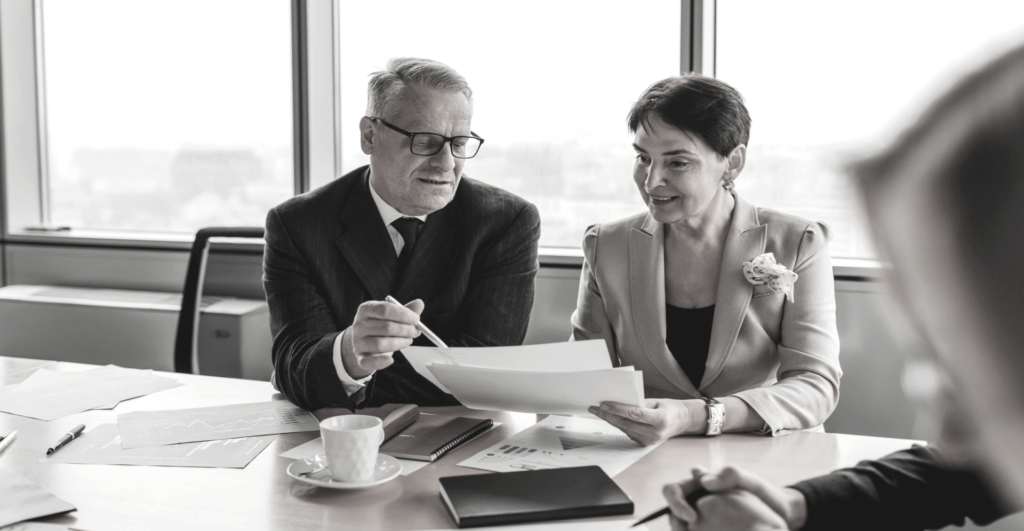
{"x": 533, "y": 496}
{"x": 432, "y": 436}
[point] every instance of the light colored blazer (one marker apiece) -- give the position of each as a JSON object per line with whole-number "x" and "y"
{"x": 781, "y": 358}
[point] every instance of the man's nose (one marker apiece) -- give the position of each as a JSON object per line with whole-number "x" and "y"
{"x": 443, "y": 160}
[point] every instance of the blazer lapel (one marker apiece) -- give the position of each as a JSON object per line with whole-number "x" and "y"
{"x": 647, "y": 293}
{"x": 746, "y": 240}
{"x": 433, "y": 256}
{"x": 364, "y": 241}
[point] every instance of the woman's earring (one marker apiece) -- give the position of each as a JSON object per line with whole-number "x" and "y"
{"x": 727, "y": 184}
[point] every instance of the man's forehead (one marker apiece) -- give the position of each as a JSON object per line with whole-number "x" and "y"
{"x": 423, "y": 107}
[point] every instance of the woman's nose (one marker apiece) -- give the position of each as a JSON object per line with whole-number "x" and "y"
{"x": 654, "y": 177}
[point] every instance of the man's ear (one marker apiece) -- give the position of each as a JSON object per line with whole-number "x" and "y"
{"x": 735, "y": 162}
{"x": 366, "y": 134}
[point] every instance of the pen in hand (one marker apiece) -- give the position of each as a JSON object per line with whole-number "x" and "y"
{"x": 422, "y": 327}
{"x": 70, "y": 436}
{"x": 691, "y": 499}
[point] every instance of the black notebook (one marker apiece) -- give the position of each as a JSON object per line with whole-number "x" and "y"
{"x": 533, "y": 496}
{"x": 432, "y": 436}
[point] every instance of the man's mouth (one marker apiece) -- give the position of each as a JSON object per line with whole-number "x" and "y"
{"x": 434, "y": 182}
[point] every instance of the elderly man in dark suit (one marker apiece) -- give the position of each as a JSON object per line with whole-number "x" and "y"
{"x": 461, "y": 254}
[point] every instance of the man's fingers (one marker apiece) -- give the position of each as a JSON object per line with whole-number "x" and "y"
{"x": 371, "y": 346}
{"x": 376, "y": 362}
{"x": 673, "y": 492}
{"x": 730, "y": 478}
{"x": 386, "y": 311}
{"x": 384, "y": 328}
{"x": 416, "y": 306}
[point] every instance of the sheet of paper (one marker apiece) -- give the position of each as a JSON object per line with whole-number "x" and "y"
{"x": 611, "y": 525}
{"x": 102, "y": 446}
{"x": 562, "y": 442}
{"x": 48, "y": 395}
{"x": 540, "y": 392}
{"x": 35, "y": 526}
{"x": 316, "y": 447}
{"x": 24, "y": 500}
{"x": 553, "y": 357}
{"x": 142, "y": 429}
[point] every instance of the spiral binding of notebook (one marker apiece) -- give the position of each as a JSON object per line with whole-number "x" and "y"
{"x": 478, "y": 429}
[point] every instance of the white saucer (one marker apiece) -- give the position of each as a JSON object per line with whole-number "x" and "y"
{"x": 386, "y": 469}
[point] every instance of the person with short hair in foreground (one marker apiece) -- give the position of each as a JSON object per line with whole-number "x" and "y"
{"x": 728, "y": 309}
{"x": 946, "y": 203}
{"x": 460, "y": 255}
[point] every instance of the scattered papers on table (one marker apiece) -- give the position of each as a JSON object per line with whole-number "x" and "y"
{"x": 553, "y": 357}
{"x": 608, "y": 525}
{"x": 541, "y": 392}
{"x": 560, "y": 442}
{"x": 564, "y": 377}
{"x": 24, "y": 500}
{"x": 102, "y": 446}
{"x": 142, "y": 429}
{"x": 47, "y": 395}
{"x": 316, "y": 447}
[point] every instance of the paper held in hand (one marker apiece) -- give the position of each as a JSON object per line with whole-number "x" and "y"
{"x": 562, "y": 378}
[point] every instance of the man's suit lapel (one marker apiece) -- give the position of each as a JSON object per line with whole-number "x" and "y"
{"x": 647, "y": 294}
{"x": 433, "y": 256}
{"x": 746, "y": 240}
{"x": 364, "y": 241}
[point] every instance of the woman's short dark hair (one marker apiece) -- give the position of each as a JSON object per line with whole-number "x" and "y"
{"x": 702, "y": 106}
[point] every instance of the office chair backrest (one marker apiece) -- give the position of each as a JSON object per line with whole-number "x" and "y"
{"x": 187, "y": 339}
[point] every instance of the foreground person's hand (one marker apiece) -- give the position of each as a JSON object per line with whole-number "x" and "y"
{"x": 738, "y": 499}
{"x": 379, "y": 329}
{"x": 652, "y": 423}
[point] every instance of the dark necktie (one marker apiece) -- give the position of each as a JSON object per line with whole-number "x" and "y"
{"x": 409, "y": 228}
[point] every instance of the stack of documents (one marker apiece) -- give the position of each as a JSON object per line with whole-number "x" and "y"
{"x": 557, "y": 378}
{"x": 24, "y": 500}
{"x": 48, "y": 395}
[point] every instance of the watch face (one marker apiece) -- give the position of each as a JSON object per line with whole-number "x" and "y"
{"x": 716, "y": 418}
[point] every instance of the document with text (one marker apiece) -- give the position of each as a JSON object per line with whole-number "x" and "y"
{"x": 564, "y": 377}
{"x": 561, "y": 442}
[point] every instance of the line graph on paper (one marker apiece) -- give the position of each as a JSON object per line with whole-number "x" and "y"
{"x": 156, "y": 428}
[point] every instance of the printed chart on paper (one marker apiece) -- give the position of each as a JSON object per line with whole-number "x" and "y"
{"x": 102, "y": 445}
{"x": 156, "y": 428}
{"x": 561, "y": 442}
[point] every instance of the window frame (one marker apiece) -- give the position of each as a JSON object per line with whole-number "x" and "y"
{"x": 316, "y": 126}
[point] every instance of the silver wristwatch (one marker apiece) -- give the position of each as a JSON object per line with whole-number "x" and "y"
{"x": 716, "y": 416}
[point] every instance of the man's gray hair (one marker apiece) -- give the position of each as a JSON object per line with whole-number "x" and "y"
{"x": 388, "y": 86}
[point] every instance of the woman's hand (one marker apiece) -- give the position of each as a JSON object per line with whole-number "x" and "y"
{"x": 650, "y": 424}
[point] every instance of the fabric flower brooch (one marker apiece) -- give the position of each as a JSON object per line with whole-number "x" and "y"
{"x": 764, "y": 270}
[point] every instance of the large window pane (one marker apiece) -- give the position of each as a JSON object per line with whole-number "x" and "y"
{"x": 552, "y": 84}
{"x": 828, "y": 81}
{"x": 167, "y": 115}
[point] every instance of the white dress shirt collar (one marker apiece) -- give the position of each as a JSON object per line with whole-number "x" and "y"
{"x": 389, "y": 213}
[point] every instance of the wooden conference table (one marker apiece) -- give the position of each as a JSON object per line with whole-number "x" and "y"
{"x": 262, "y": 496}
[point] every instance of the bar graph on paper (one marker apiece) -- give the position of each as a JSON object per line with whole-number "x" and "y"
{"x": 156, "y": 428}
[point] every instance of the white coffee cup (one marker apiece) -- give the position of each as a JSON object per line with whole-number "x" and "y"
{"x": 351, "y": 443}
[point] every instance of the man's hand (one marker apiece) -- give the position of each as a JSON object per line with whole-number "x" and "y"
{"x": 651, "y": 424}
{"x": 738, "y": 500}
{"x": 380, "y": 328}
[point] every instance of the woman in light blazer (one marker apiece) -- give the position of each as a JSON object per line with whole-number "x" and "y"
{"x": 727, "y": 308}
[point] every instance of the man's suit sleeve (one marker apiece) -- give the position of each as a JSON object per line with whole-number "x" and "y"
{"x": 907, "y": 490}
{"x": 496, "y": 310}
{"x": 301, "y": 324}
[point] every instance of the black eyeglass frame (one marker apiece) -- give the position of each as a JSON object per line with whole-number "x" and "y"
{"x": 447, "y": 140}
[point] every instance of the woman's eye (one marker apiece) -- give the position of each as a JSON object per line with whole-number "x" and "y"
{"x": 642, "y": 159}
{"x": 678, "y": 164}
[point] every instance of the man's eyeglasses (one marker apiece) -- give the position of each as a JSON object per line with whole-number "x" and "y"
{"x": 430, "y": 144}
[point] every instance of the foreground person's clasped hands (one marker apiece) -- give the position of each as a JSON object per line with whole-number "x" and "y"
{"x": 737, "y": 500}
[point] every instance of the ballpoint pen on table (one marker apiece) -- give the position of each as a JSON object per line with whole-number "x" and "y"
{"x": 422, "y": 327}
{"x": 6, "y": 441}
{"x": 691, "y": 499}
{"x": 70, "y": 436}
